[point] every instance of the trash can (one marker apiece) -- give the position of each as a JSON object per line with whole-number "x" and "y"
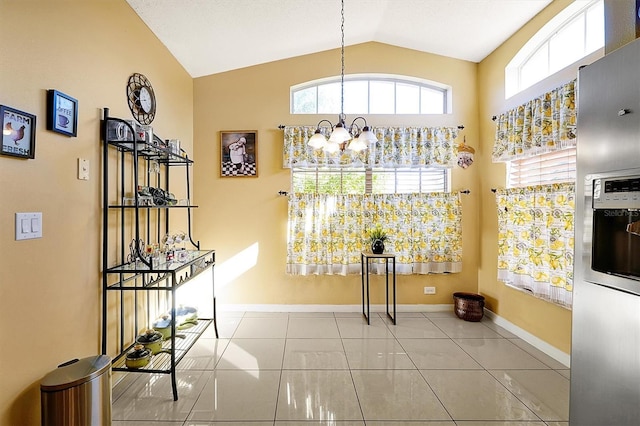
{"x": 78, "y": 393}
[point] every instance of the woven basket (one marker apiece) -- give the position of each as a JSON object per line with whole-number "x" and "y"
{"x": 469, "y": 306}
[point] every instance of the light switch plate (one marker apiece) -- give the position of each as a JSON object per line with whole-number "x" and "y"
{"x": 28, "y": 225}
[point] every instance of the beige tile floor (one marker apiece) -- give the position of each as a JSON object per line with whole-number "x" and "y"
{"x": 291, "y": 369}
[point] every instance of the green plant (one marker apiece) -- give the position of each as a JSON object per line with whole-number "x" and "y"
{"x": 377, "y": 233}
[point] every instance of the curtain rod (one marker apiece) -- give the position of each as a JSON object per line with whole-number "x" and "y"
{"x": 460, "y": 127}
{"x": 464, "y": 191}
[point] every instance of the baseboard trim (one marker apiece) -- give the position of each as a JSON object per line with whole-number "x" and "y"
{"x": 331, "y": 308}
{"x": 534, "y": 341}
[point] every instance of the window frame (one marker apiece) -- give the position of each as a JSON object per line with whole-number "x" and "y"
{"x": 542, "y": 39}
{"x": 419, "y": 83}
{"x": 369, "y": 178}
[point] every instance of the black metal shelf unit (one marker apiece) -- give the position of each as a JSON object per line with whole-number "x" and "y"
{"x": 137, "y": 288}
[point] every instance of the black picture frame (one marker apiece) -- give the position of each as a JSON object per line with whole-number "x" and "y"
{"x": 240, "y": 162}
{"x": 62, "y": 113}
{"x": 18, "y": 133}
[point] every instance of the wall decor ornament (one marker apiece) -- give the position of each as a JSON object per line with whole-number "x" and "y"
{"x": 465, "y": 154}
{"x": 18, "y": 133}
{"x": 62, "y": 113}
{"x": 238, "y": 153}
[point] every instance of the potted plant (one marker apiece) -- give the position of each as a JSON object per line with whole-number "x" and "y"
{"x": 377, "y": 236}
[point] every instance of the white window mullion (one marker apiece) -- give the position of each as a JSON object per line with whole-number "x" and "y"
{"x": 386, "y": 181}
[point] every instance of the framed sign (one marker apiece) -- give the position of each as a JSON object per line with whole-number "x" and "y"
{"x": 637, "y": 18}
{"x": 238, "y": 153}
{"x": 18, "y": 133}
{"x": 62, "y": 113}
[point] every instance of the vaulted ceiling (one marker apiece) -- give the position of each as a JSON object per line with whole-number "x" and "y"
{"x": 213, "y": 36}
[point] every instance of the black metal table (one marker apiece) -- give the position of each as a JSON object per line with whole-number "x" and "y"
{"x": 365, "y": 259}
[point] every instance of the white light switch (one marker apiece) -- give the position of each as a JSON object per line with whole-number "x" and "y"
{"x": 83, "y": 169}
{"x": 28, "y": 225}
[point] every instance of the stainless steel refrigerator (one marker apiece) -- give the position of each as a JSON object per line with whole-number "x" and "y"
{"x": 605, "y": 351}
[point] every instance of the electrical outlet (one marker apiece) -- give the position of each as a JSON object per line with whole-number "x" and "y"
{"x": 429, "y": 290}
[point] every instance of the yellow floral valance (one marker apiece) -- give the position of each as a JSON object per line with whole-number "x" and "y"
{"x": 544, "y": 124}
{"x": 397, "y": 147}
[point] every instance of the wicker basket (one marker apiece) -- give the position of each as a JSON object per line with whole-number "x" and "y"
{"x": 469, "y": 306}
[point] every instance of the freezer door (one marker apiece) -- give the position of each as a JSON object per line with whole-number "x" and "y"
{"x": 605, "y": 347}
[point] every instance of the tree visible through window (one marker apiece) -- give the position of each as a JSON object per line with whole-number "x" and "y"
{"x": 370, "y": 181}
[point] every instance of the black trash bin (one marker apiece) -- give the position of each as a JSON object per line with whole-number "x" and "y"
{"x": 77, "y": 393}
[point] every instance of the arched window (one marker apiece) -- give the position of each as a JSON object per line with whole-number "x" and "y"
{"x": 574, "y": 33}
{"x": 371, "y": 94}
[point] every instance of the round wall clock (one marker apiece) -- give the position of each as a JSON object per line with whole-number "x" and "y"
{"x": 141, "y": 98}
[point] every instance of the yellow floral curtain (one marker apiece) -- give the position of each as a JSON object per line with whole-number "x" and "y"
{"x": 396, "y": 147}
{"x": 327, "y": 232}
{"x": 535, "y": 240}
{"x": 544, "y": 124}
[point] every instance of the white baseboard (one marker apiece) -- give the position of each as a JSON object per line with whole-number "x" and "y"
{"x": 539, "y": 344}
{"x": 534, "y": 341}
{"x": 331, "y": 308}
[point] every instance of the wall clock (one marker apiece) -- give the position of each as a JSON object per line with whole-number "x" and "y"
{"x": 141, "y": 98}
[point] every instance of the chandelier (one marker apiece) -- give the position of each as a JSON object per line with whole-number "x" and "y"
{"x": 340, "y": 134}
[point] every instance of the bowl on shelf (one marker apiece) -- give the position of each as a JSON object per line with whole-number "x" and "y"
{"x": 138, "y": 357}
{"x": 152, "y": 340}
{"x": 163, "y": 326}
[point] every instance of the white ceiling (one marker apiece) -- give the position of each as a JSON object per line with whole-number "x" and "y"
{"x": 213, "y": 36}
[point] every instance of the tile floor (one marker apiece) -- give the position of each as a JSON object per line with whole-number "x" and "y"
{"x": 290, "y": 369}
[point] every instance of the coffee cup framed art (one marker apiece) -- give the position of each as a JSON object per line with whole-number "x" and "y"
{"x": 18, "y": 133}
{"x": 62, "y": 113}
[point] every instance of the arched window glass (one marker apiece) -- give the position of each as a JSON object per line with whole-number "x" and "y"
{"x": 371, "y": 94}
{"x": 574, "y": 33}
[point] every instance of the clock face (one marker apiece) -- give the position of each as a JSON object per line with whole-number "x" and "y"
{"x": 141, "y": 98}
{"x": 146, "y": 102}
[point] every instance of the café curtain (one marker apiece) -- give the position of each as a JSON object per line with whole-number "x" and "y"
{"x": 535, "y": 240}
{"x": 327, "y": 232}
{"x": 397, "y": 147}
{"x": 544, "y": 124}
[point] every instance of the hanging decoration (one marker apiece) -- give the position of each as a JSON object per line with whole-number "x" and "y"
{"x": 465, "y": 154}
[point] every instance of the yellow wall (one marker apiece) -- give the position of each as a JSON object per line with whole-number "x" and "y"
{"x": 50, "y": 288}
{"x": 245, "y": 220}
{"x": 544, "y": 320}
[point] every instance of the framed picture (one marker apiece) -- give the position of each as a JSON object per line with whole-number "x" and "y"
{"x": 62, "y": 113}
{"x": 18, "y": 133}
{"x": 238, "y": 153}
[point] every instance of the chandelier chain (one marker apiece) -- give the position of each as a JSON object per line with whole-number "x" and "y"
{"x": 342, "y": 69}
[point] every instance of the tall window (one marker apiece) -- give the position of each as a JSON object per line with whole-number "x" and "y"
{"x": 574, "y": 33}
{"x": 371, "y": 94}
